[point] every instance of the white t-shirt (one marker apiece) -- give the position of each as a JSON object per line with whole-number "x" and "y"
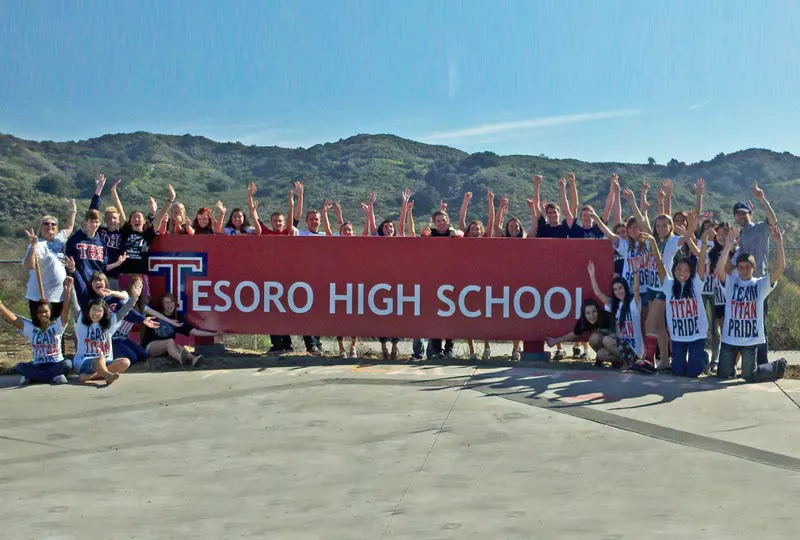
{"x": 246, "y": 230}
{"x": 306, "y": 232}
{"x": 630, "y": 330}
{"x": 708, "y": 284}
{"x": 744, "y": 310}
{"x": 623, "y": 248}
{"x": 51, "y": 263}
{"x": 686, "y": 317}
{"x": 719, "y": 292}
{"x": 45, "y": 346}
{"x": 668, "y": 253}
{"x": 93, "y": 341}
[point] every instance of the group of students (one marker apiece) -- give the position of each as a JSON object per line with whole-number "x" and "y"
{"x": 653, "y": 316}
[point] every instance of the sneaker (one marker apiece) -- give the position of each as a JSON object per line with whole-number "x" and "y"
{"x": 644, "y": 366}
{"x": 576, "y": 352}
{"x": 59, "y": 379}
{"x": 487, "y": 354}
{"x": 448, "y": 355}
{"x": 24, "y": 381}
{"x": 416, "y": 357}
{"x": 560, "y": 355}
{"x": 288, "y": 349}
{"x": 516, "y": 356}
{"x": 780, "y": 367}
{"x": 473, "y": 357}
{"x": 274, "y": 350}
{"x": 314, "y": 351}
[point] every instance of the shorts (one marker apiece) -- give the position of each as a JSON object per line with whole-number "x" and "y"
{"x": 645, "y": 298}
{"x": 87, "y": 368}
{"x": 655, "y": 294}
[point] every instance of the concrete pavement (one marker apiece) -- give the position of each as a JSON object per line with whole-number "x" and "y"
{"x": 400, "y": 452}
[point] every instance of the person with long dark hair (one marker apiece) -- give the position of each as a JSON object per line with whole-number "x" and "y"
{"x": 44, "y": 334}
{"x": 594, "y": 326}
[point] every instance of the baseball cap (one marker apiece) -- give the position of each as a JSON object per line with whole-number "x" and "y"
{"x": 741, "y": 206}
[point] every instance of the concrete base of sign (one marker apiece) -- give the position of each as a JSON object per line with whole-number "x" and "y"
{"x": 212, "y": 349}
{"x": 535, "y": 356}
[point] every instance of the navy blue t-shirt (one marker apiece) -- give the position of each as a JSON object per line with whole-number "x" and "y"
{"x": 552, "y": 231}
{"x": 89, "y": 253}
{"x": 111, "y": 239}
{"x": 578, "y": 231}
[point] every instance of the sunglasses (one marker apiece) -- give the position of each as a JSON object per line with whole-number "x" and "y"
{"x": 49, "y": 224}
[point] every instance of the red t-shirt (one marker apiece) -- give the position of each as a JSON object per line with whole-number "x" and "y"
{"x": 266, "y": 230}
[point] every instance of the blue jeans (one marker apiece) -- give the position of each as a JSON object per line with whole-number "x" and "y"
{"x": 752, "y": 371}
{"x": 44, "y": 373}
{"x": 312, "y": 342}
{"x": 418, "y": 347}
{"x": 697, "y": 357}
{"x": 125, "y": 348}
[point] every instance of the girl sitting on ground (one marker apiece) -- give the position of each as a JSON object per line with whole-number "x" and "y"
{"x": 44, "y": 335}
{"x": 598, "y": 325}
{"x": 160, "y": 341}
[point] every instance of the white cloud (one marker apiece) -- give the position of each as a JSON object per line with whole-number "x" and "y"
{"x": 520, "y": 125}
{"x": 698, "y": 105}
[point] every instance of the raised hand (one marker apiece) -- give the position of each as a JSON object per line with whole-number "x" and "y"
{"x": 251, "y": 189}
{"x": 116, "y": 184}
{"x": 667, "y": 186}
{"x": 221, "y": 207}
{"x": 372, "y": 198}
{"x": 531, "y": 204}
{"x": 171, "y": 192}
{"x": 733, "y": 237}
{"x": 32, "y": 237}
{"x": 504, "y": 202}
{"x": 537, "y": 179}
{"x": 337, "y": 209}
{"x": 99, "y": 182}
{"x": 150, "y": 322}
{"x": 406, "y": 195}
{"x": 69, "y": 264}
{"x": 411, "y": 204}
{"x": 628, "y": 194}
{"x": 468, "y": 196}
{"x": 571, "y": 178}
{"x": 327, "y": 206}
{"x": 443, "y": 206}
{"x": 298, "y": 187}
{"x": 645, "y": 185}
{"x": 709, "y": 235}
{"x": 490, "y": 196}
{"x": 365, "y": 207}
{"x": 68, "y": 282}
{"x": 699, "y": 186}
{"x": 590, "y": 268}
{"x": 758, "y": 193}
{"x": 615, "y": 187}
{"x": 73, "y": 205}
{"x": 153, "y": 206}
{"x": 562, "y": 183}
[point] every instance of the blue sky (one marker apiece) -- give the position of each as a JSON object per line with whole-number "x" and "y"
{"x": 599, "y": 81}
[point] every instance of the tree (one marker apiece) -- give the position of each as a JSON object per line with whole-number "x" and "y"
{"x": 55, "y": 184}
{"x": 674, "y": 167}
{"x": 651, "y": 161}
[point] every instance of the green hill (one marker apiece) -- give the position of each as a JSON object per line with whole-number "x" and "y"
{"x": 35, "y": 175}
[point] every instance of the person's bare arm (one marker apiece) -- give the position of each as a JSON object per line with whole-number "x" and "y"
{"x": 373, "y": 228}
{"x": 573, "y": 194}
{"x": 116, "y": 201}
{"x": 608, "y": 233}
{"x": 69, "y": 226}
{"x": 65, "y": 309}
{"x": 462, "y": 214}
{"x": 701, "y": 259}
{"x": 406, "y": 197}
{"x": 609, "y": 207}
{"x": 11, "y": 317}
{"x": 617, "y": 199}
{"x": 533, "y": 206}
{"x": 758, "y": 193}
{"x": 298, "y": 210}
{"x": 780, "y": 254}
{"x": 410, "y": 218}
{"x": 220, "y": 225}
{"x": 490, "y": 231}
{"x": 644, "y": 204}
{"x": 653, "y": 248}
{"x": 699, "y": 189}
{"x": 365, "y": 230}
{"x": 29, "y": 262}
{"x": 326, "y": 224}
{"x": 722, "y": 263}
{"x": 631, "y": 198}
{"x": 598, "y": 292}
{"x": 337, "y": 211}
{"x": 667, "y": 197}
{"x": 562, "y": 190}
{"x": 161, "y": 215}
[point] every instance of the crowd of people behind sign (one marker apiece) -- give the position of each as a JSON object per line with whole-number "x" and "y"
{"x": 677, "y": 280}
